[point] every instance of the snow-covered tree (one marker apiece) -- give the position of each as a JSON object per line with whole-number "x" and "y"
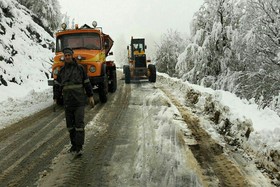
{"x": 235, "y": 46}
{"x": 47, "y": 10}
{"x": 266, "y": 29}
{"x": 210, "y": 53}
{"x": 262, "y": 37}
{"x": 172, "y": 45}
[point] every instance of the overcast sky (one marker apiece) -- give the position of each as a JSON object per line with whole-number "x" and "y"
{"x": 122, "y": 19}
{"x": 132, "y": 17}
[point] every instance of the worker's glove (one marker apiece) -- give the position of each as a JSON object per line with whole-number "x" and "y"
{"x": 91, "y": 101}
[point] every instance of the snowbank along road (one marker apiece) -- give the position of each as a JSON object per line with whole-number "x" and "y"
{"x": 143, "y": 136}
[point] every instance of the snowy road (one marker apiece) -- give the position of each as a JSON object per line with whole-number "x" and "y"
{"x": 143, "y": 136}
{"x": 128, "y": 146}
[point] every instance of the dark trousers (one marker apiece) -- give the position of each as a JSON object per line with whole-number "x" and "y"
{"x": 75, "y": 125}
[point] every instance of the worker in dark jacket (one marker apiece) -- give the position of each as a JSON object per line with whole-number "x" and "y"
{"x": 73, "y": 84}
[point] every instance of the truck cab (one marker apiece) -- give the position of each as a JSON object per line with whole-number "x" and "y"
{"x": 91, "y": 47}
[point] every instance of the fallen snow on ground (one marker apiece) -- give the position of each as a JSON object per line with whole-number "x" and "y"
{"x": 15, "y": 109}
{"x": 234, "y": 121}
{"x": 237, "y": 122}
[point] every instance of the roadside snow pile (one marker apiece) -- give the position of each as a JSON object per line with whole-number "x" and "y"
{"x": 239, "y": 123}
{"x": 15, "y": 109}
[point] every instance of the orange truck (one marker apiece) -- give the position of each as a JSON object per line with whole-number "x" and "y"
{"x": 91, "y": 48}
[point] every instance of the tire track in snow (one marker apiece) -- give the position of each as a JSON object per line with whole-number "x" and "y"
{"x": 128, "y": 144}
{"x": 209, "y": 153}
{"x": 87, "y": 170}
{"x": 27, "y": 149}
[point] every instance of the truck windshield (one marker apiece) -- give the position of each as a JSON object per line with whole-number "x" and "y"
{"x": 78, "y": 41}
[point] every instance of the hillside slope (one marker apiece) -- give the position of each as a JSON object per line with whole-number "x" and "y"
{"x": 25, "y": 55}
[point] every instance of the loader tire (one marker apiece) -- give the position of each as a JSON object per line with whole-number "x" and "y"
{"x": 112, "y": 87}
{"x": 153, "y": 73}
{"x": 126, "y": 74}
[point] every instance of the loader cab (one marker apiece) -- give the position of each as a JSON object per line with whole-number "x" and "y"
{"x": 137, "y": 47}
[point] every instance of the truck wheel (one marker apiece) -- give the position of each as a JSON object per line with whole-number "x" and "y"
{"x": 126, "y": 74}
{"x": 153, "y": 73}
{"x": 103, "y": 90}
{"x": 112, "y": 87}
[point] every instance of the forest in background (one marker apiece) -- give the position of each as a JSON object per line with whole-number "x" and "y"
{"x": 234, "y": 46}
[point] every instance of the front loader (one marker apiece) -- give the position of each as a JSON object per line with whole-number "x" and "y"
{"x": 138, "y": 66}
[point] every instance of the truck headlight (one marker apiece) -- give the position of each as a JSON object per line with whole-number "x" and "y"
{"x": 79, "y": 57}
{"x": 92, "y": 69}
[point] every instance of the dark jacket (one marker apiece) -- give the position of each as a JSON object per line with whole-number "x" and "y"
{"x": 73, "y": 84}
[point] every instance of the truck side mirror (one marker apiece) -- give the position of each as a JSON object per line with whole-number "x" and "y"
{"x": 127, "y": 47}
{"x": 145, "y": 47}
{"x": 111, "y": 53}
{"x": 106, "y": 44}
